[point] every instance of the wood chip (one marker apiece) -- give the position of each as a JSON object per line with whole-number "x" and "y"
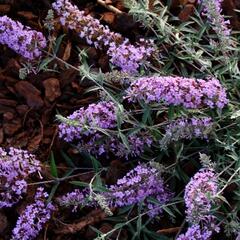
{"x": 52, "y": 89}
{"x": 31, "y": 94}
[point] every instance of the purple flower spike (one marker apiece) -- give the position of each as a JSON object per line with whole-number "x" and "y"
{"x": 187, "y": 129}
{"x": 195, "y": 232}
{"x": 21, "y": 39}
{"x": 135, "y": 187}
{"x": 122, "y": 53}
{"x": 32, "y": 220}
{"x": 212, "y": 9}
{"x": 178, "y": 91}
{"x": 199, "y": 195}
{"x": 88, "y": 127}
{"x": 15, "y": 167}
{"x": 75, "y": 199}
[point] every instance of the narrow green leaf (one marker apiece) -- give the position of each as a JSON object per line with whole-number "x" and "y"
{"x": 68, "y": 160}
{"x": 80, "y": 184}
{"x": 52, "y": 193}
{"x": 53, "y": 166}
{"x": 57, "y": 44}
{"x": 96, "y": 164}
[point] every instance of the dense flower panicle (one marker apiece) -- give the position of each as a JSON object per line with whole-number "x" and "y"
{"x": 185, "y": 128}
{"x": 135, "y": 187}
{"x": 122, "y": 53}
{"x": 186, "y": 92}
{"x": 195, "y": 232}
{"x": 212, "y": 9}
{"x": 15, "y": 166}
{"x": 21, "y": 39}
{"x": 129, "y": 57}
{"x": 86, "y": 127}
{"x": 199, "y": 195}
{"x": 100, "y": 144}
{"x": 202, "y": 231}
{"x": 32, "y": 220}
{"x": 75, "y": 199}
{"x": 86, "y": 121}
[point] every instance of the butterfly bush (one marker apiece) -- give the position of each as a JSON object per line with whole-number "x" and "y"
{"x": 187, "y": 128}
{"x": 212, "y": 9}
{"x": 135, "y": 187}
{"x": 178, "y": 91}
{"x": 199, "y": 195}
{"x": 76, "y": 198}
{"x": 199, "y": 198}
{"x": 15, "y": 167}
{"x": 195, "y": 232}
{"x": 21, "y": 39}
{"x": 34, "y": 217}
{"x": 122, "y": 53}
{"x": 87, "y": 127}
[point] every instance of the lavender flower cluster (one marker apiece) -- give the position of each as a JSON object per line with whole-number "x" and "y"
{"x": 88, "y": 128}
{"x": 139, "y": 184}
{"x": 122, "y": 53}
{"x": 15, "y": 167}
{"x": 135, "y": 187}
{"x": 212, "y": 9}
{"x": 199, "y": 198}
{"x": 185, "y": 128}
{"x": 199, "y": 195}
{"x": 21, "y": 39}
{"x": 195, "y": 232}
{"x": 186, "y": 92}
{"x": 32, "y": 220}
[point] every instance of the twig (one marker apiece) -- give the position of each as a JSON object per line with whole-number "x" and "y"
{"x": 109, "y": 7}
{"x": 169, "y": 230}
{"x": 93, "y": 217}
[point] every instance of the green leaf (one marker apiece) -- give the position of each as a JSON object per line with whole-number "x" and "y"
{"x": 57, "y": 44}
{"x": 124, "y": 140}
{"x": 80, "y": 184}
{"x": 68, "y": 160}
{"x": 171, "y": 112}
{"x": 52, "y": 193}
{"x": 169, "y": 211}
{"x": 235, "y": 115}
{"x": 96, "y": 164}
{"x": 44, "y": 63}
{"x": 53, "y": 166}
